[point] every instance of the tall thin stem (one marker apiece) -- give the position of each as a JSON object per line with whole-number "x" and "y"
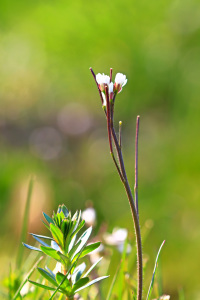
{"x": 134, "y": 215}
{"x": 136, "y": 164}
{"x": 122, "y": 172}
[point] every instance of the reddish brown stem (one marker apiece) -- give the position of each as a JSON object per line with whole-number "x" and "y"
{"x": 136, "y": 164}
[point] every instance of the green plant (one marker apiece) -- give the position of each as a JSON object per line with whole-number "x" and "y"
{"x": 66, "y": 249}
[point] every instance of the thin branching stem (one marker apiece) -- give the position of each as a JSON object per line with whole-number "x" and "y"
{"x": 94, "y": 76}
{"x": 121, "y": 170}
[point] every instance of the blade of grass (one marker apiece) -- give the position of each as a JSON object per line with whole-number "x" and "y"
{"x": 154, "y": 271}
{"x": 9, "y": 282}
{"x": 121, "y": 275}
{"x": 113, "y": 281}
{"x": 25, "y": 224}
{"x": 181, "y": 295}
{"x": 27, "y": 277}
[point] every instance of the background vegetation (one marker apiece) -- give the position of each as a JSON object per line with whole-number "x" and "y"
{"x": 52, "y": 124}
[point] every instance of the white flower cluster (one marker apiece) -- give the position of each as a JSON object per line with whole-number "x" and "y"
{"x": 116, "y": 87}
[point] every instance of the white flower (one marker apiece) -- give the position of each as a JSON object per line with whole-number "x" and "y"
{"x": 102, "y": 79}
{"x": 89, "y": 215}
{"x": 117, "y": 238}
{"x": 120, "y": 81}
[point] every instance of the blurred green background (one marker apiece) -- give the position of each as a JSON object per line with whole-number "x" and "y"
{"x": 52, "y": 124}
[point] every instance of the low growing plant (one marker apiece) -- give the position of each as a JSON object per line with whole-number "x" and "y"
{"x": 66, "y": 248}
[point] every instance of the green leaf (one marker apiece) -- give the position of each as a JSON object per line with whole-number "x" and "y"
{"x": 65, "y": 259}
{"x": 92, "y": 267}
{"x": 47, "y": 276}
{"x": 65, "y": 211}
{"x": 25, "y": 223}
{"x": 49, "y": 220}
{"x": 73, "y": 250}
{"x": 65, "y": 284}
{"x": 75, "y": 216}
{"x": 121, "y": 273}
{"x": 39, "y": 240}
{"x": 78, "y": 228}
{"x": 90, "y": 248}
{"x": 47, "y": 226}
{"x": 42, "y": 236}
{"x": 154, "y": 271}
{"x": 59, "y": 209}
{"x": 57, "y": 235}
{"x": 92, "y": 282}
{"x": 84, "y": 238}
{"x": 50, "y": 272}
{"x": 71, "y": 244}
{"x": 80, "y": 283}
{"x": 50, "y": 252}
{"x": 46, "y": 287}
{"x": 78, "y": 271}
{"x": 113, "y": 282}
{"x": 31, "y": 247}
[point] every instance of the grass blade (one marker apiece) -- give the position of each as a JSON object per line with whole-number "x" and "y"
{"x": 27, "y": 278}
{"x": 113, "y": 281}
{"x": 25, "y": 224}
{"x": 154, "y": 271}
{"x": 121, "y": 275}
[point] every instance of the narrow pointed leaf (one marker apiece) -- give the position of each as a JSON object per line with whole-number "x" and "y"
{"x": 47, "y": 226}
{"x": 39, "y": 240}
{"x": 25, "y": 222}
{"x": 80, "y": 283}
{"x": 50, "y": 252}
{"x": 78, "y": 271}
{"x": 47, "y": 276}
{"x": 92, "y": 282}
{"x": 57, "y": 234}
{"x": 65, "y": 211}
{"x": 49, "y": 270}
{"x": 113, "y": 282}
{"x": 74, "y": 249}
{"x": 49, "y": 220}
{"x": 42, "y": 236}
{"x": 71, "y": 244}
{"x": 84, "y": 238}
{"x": 154, "y": 271}
{"x": 31, "y": 247}
{"x": 65, "y": 282}
{"x": 92, "y": 267}
{"x": 42, "y": 285}
{"x": 78, "y": 228}
{"x": 90, "y": 248}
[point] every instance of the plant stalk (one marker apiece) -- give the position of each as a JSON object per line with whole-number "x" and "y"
{"x": 134, "y": 215}
{"x": 122, "y": 173}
